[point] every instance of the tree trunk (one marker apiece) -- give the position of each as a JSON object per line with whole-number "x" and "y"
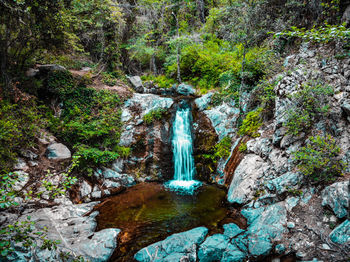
{"x": 178, "y": 50}
{"x": 200, "y": 8}
{"x": 4, "y": 64}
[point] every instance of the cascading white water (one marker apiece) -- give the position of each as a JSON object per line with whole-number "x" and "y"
{"x": 183, "y": 153}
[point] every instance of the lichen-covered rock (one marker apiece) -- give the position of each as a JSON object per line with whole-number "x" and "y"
{"x": 246, "y": 178}
{"x": 177, "y": 246}
{"x": 259, "y": 146}
{"x": 336, "y": 196}
{"x": 213, "y": 248}
{"x": 58, "y": 151}
{"x": 341, "y": 234}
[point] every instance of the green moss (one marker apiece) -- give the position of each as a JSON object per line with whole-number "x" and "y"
{"x": 242, "y": 147}
{"x": 251, "y": 123}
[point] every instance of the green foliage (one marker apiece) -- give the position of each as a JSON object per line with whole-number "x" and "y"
{"x": 109, "y": 78}
{"x": 68, "y": 61}
{"x": 214, "y": 63}
{"x": 7, "y": 194}
{"x": 308, "y": 104}
{"x": 59, "y": 82}
{"x": 19, "y": 126}
{"x": 24, "y": 232}
{"x": 324, "y": 34}
{"x": 161, "y": 81}
{"x": 223, "y": 148}
{"x": 90, "y": 122}
{"x": 156, "y": 114}
{"x": 242, "y": 147}
{"x": 319, "y": 161}
{"x": 251, "y": 123}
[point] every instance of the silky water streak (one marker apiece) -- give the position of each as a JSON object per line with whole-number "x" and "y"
{"x": 183, "y": 154}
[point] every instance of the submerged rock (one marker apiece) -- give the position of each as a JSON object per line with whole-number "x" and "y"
{"x": 177, "y": 247}
{"x": 58, "y": 151}
{"x": 336, "y": 196}
{"x": 341, "y": 234}
{"x": 245, "y": 179}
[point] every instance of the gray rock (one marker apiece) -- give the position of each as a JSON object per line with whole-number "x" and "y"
{"x": 184, "y": 89}
{"x": 282, "y": 183}
{"x": 259, "y": 146}
{"x": 136, "y": 82}
{"x": 346, "y": 107}
{"x": 29, "y": 154}
{"x": 85, "y": 189}
{"x": 174, "y": 248}
{"x": 203, "y": 102}
{"x": 341, "y": 234}
{"x": 122, "y": 179}
{"x": 224, "y": 119}
{"x": 21, "y": 165}
{"x": 245, "y": 179}
{"x": 51, "y": 67}
{"x": 336, "y": 196}
{"x": 100, "y": 246}
{"x": 266, "y": 224}
{"x": 346, "y": 15}
{"x": 58, "y": 151}
{"x": 22, "y": 179}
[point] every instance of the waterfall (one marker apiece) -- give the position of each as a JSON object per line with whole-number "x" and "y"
{"x": 183, "y": 153}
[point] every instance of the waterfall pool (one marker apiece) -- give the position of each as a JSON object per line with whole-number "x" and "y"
{"x": 149, "y": 212}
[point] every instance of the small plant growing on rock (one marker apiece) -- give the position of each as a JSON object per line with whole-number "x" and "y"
{"x": 156, "y": 114}
{"x": 310, "y": 103}
{"x": 242, "y": 147}
{"x": 319, "y": 161}
{"x": 251, "y": 123}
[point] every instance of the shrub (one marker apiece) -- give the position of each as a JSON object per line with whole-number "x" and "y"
{"x": 91, "y": 124}
{"x": 156, "y": 114}
{"x": 251, "y": 123}
{"x": 242, "y": 147}
{"x": 161, "y": 80}
{"x": 319, "y": 160}
{"x": 223, "y": 148}
{"x": 309, "y": 104}
{"x": 19, "y": 127}
{"x": 324, "y": 34}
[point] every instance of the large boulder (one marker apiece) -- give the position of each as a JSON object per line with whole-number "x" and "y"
{"x": 224, "y": 119}
{"x": 203, "y": 102}
{"x": 136, "y": 83}
{"x": 287, "y": 181}
{"x": 266, "y": 224}
{"x": 100, "y": 246}
{"x": 341, "y": 234}
{"x": 75, "y": 231}
{"x": 58, "y": 151}
{"x": 336, "y": 196}
{"x": 246, "y": 178}
{"x": 177, "y": 247}
{"x": 184, "y": 89}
